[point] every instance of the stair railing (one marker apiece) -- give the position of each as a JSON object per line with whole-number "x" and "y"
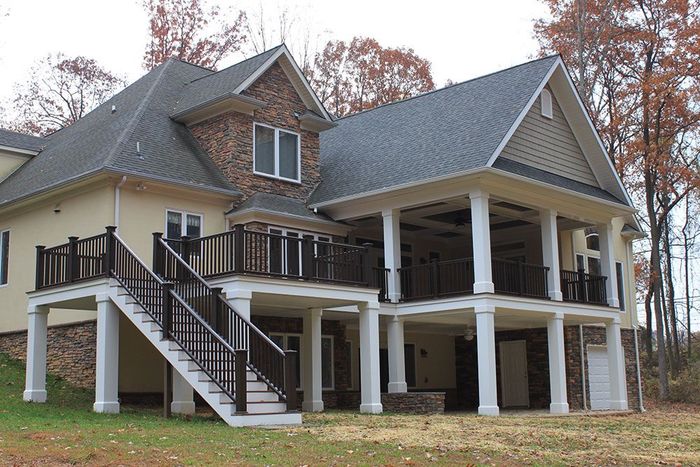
{"x": 275, "y": 367}
{"x": 178, "y": 321}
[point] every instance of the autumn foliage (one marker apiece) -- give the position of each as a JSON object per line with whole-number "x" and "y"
{"x": 359, "y": 75}
{"x": 187, "y": 30}
{"x": 60, "y": 91}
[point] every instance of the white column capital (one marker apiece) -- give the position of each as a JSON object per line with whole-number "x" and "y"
{"x": 558, "y": 316}
{"x": 368, "y": 306}
{"x": 490, "y": 309}
{"x": 240, "y": 294}
{"x": 37, "y": 310}
{"x": 478, "y": 193}
{"x": 392, "y": 212}
{"x": 316, "y": 311}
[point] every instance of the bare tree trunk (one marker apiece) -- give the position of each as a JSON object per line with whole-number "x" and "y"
{"x": 686, "y": 247}
{"x": 671, "y": 317}
{"x": 650, "y": 319}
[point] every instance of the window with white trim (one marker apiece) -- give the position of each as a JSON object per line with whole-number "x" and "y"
{"x": 276, "y": 153}
{"x": 4, "y": 256}
{"x": 293, "y": 342}
{"x": 619, "y": 273}
{"x": 179, "y": 224}
{"x": 546, "y": 104}
{"x": 327, "y": 373}
{"x": 285, "y": 254}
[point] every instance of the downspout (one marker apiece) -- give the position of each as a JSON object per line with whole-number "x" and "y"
{"x": 639, "y": 373}
{"x": 583, "y": 368}
{"x": 117, "y": 201}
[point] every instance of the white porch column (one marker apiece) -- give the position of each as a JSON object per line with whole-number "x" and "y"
{"x": 397, "y": 365}
{"x": 616, "y": 366}
{"x": 313, "y": 384}
{"x": 481, "y": 241}
{"x": 240, "y": 301}
{"x": 550, "y": 252}
{"x": 607, "y": 262}
{"x": 183, "y": 395}
{"x": 486, "y": 359}
{"x": 107, "y": 364}
{"x": 371, "y": 401}
{"x": 557, "y": 364}
{"x": 35, "y": 383}
{"x": 392, "y": 252}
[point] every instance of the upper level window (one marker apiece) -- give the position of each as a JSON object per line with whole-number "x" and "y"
{"x": 4, "y": 256}
{"x": 276, "y": 153}
{"x": 546, "y": 103}
{"x": 593, "y": 242}
{"x": 180, "y": 224}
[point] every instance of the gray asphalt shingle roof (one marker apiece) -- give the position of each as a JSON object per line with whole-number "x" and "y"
{"x": 221, "y": 83}
{"x": 106, "y": 140}
{"x": 280, "y": 204}
{"x": 534, "y": 173}
{"x": 14, "y": 140}
{"x": 436, "y": 134}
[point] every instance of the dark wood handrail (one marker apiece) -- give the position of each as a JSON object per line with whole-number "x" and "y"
{"x": 265, "y": 358}
{"x": 580, "y": 286}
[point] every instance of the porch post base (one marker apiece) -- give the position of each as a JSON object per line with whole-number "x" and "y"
{"x": 394, "y": 297}
{"x": 489, "y": 410}
{"x": 106, "y": 407}
{"x": 371, "y": 408}
{"x": 397, "y": 387}
{"x": 556, "y": 295}
{"x": 483, "y": 287}
{"x": 559, "y": 407}
{"x": 34, "y": 395}
{"x": 312, "y": 406}
{"x": 182, "y": 407}
{"x": 614, "y": 302}
{"x": 619, "y": 405}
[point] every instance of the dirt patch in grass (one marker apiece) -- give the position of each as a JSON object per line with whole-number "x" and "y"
{"x": 658, "y": 436}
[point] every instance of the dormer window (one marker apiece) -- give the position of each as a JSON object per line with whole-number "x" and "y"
{"x": 276, "y": 153}
{"x": 546, "y": 103}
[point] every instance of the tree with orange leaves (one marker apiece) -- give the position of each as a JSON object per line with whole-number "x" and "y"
{"x": 637, "y": 66}
{"x": 179, "y": 29}
{"x": 356, "y": 76}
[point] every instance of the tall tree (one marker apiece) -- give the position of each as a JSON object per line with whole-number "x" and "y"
{"x": 189, "y": 31}
{"x": 360, "y": 75}
{"x": 640, "y": 76}
{"x": 60, "y": 91}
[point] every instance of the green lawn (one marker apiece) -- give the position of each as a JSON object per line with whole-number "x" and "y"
{"x": 66, "y": 431}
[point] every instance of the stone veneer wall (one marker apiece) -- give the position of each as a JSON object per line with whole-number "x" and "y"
{"x": 228, "y": 138}
{"x": 414, "y": 402}
{"x": 538, "y": 365}
{"x": 70, "y": 354}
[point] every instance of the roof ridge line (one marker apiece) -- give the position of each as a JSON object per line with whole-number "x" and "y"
{"x": 133, "y": 122}
{"x": 448, "y": 87}
{"x": 235, "y": 64}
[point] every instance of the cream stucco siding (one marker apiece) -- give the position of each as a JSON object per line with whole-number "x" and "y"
{"x": 143, "y": 212}
{"x": 84, "y": 213}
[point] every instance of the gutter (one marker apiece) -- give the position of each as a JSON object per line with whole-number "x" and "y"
{"x": 117, "y": 201}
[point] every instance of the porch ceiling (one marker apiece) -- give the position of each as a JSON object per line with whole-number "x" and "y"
{"x": 452, "y": 219}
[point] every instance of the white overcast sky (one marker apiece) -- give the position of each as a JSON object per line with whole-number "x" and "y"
{"x": 462, "y": 39}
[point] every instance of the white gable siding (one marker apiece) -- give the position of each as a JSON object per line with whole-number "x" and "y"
{"x": 549, "y": 144}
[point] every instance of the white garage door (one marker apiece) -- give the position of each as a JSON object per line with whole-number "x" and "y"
{"x": 598, "y": 377}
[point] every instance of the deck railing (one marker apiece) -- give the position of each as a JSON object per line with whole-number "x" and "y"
{"x": 456, "y": 277}
{"x": 242, "y": 251}
{"x": 578, "y": 286}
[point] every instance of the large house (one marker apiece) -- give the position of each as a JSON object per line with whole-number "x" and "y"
{"x": 470, "y": 247}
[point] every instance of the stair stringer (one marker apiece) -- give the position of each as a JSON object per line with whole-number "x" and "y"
{"x": 261, "y": 410}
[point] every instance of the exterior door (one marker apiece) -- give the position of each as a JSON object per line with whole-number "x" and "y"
{"x": 514, "y": 383}
{"x": 598, "y": 377}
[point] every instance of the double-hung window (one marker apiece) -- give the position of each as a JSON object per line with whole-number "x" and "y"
{"x": 4, "y": 256}
{"x": 180, "y": 224}
{"x": 276, "y": 153}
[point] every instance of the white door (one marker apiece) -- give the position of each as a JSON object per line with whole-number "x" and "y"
{"x": 514, "y": 384}
{"x": 598, "y": 377}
